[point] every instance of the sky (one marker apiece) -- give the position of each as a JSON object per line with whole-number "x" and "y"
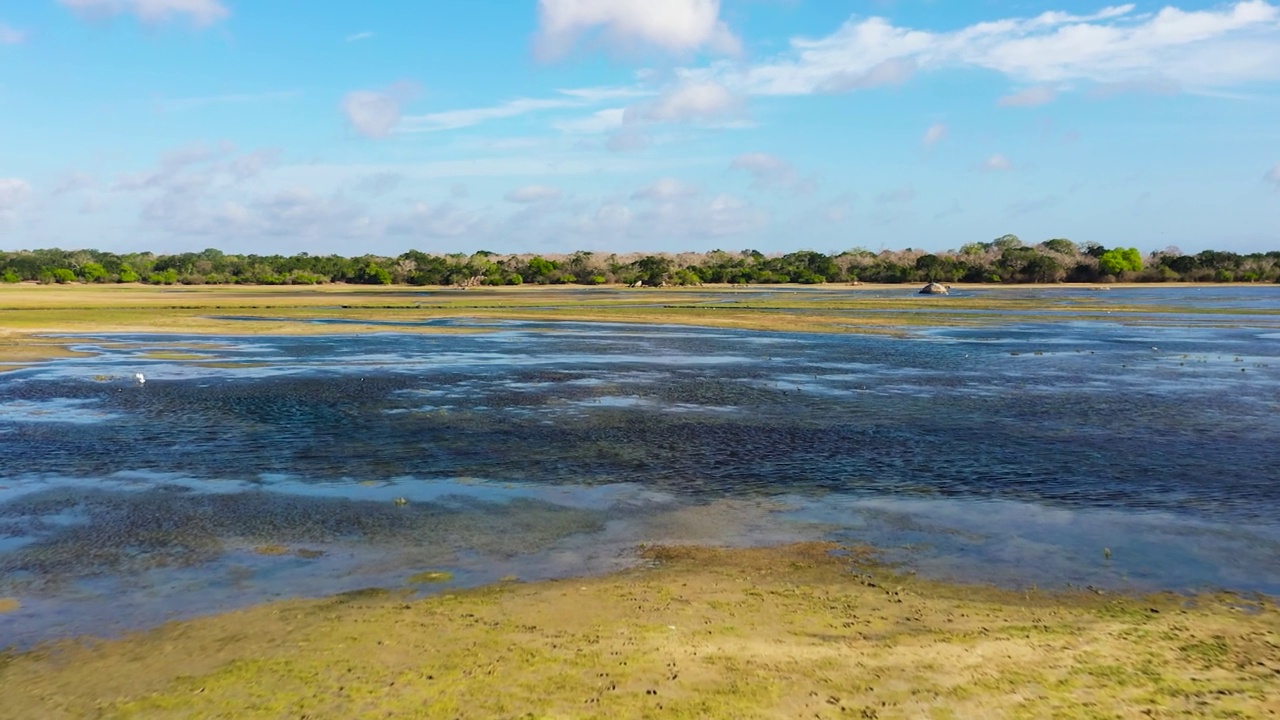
{"x": 549, "y": 126}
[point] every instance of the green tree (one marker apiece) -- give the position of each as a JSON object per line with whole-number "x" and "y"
{"x": 93, "y": 272}
{"x": 1061, "y": 246}
{"x": 63, "y": 276}
{"x": 1120, "y": 260}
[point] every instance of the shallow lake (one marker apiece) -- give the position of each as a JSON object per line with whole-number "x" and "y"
{"x": 252, "y": 468}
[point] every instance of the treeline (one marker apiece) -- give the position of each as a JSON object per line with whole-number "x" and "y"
{"x": 1003, "y": 260}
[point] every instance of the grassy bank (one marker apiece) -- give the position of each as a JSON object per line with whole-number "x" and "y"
{"x": 797, "y": 631}
{"x": 28, "y": 311}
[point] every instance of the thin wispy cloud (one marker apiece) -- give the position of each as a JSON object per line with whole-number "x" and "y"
{"x": 357, "y": 37}
{"x": 200, "y": 13}
{"x": 569, "y": 99}
{"x": 1030, "y": 97}
{"x": 11, "y": 36}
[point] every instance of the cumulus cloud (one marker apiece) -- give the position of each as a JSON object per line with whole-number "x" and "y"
{"x": 996, "y": 163}
{"x": 531, "y": 194}
{"x": 936, "y": 133}
{"x": 200, "y": 13}
{"x": 1033, "y": 96}
{"x": 10, "y": 36}
{"x": 375, "y": 113}
{"x": 1273, "y": 176}
{"x": 1200, "y": 50}
{"x": 678, "y": 26}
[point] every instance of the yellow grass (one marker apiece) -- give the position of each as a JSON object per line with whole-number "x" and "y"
{"x": 29, "y": 312}
{"x": 701, "y": 633}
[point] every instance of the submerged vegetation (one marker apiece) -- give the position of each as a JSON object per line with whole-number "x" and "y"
{"x": 1003, "y": 260}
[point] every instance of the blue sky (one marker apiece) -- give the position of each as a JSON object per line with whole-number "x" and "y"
{"x": 619, "y": 125}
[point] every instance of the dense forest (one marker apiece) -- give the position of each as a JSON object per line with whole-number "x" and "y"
{"x": 1003, "y": 260}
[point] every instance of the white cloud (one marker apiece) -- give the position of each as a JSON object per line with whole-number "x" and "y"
{"x": 375, "y": 113}
{"x": 379, "y": 183}
{"x": 439, "y": 221}
{"x": 1033, "y": 96}
{"x": 996, "y": 163}
{"x": 13, "y": 192}
{"x": 894, "y": 71}
{"x": 771, "y": 171}
{"x": 628, "y": 139}
{"x": 200, "y": 12}
{"x": 10, "y": 36}
{"x": 597, "y": 122}
{"x": 671, "y": 25}
{"x": 455, "y": 119}
{"x": 1274, "y": 176}
{"x": 665, "y": 189}
{"x": 357, "y": 37}
{"x": 533, "y": 194}
{"x": 73, "y": 182}
{"x": 250, "y": 165}
{"x": 839, "y": 208}
{"x": 687, "y": 103}
{"x": 1200, "y": 50}
{"x": 1154, "y": 85}
{"x": 936, "y": 133}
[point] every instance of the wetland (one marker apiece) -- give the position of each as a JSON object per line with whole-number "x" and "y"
{"x": 785, "y": 498}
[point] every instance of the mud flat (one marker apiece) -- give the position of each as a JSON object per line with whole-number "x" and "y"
{"x": 808, "y": 630}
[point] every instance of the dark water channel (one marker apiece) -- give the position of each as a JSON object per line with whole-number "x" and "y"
{"x": 1013, "y": 454}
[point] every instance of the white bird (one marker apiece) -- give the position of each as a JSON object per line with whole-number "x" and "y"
{"x": 140, "y": 378}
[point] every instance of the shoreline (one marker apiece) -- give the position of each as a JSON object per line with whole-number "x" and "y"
{"x": 30, "y": 314}
{"x": 696, "y": 631}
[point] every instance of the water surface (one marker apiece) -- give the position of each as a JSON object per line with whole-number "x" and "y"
{"x": 248, "y": 468}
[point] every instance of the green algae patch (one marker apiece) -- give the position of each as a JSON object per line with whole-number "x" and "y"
{"x": 271, "y": 550}
{"x": 695, "y": 632}
{"x": 430, "y": 577}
